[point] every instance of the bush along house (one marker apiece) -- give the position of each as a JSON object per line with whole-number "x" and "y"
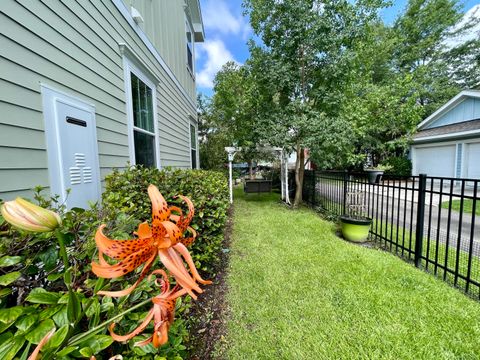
{"x": 89, "y": 86}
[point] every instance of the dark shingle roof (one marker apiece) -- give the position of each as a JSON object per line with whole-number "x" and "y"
{"x": 449, "y": 129}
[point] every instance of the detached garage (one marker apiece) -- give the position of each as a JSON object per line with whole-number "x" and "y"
{"x": 448, "y": 141}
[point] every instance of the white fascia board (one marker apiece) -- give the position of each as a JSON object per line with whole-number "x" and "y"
{"x": 446, "y": 136}
{"x": 195, "y": 12}
{"x": 121, "y": 7}
{"x": 449, "y": 105}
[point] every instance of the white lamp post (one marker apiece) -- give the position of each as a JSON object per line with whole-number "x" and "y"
{"x": 231, "y": 151}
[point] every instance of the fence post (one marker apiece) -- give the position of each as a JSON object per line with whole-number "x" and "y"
{"x": 422, "y": 187}
{"x": 345, "y": 189}
{"x": 314, "y": 173}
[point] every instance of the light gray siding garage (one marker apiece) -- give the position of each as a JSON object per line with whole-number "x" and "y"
{"x": 435, "y": 160}
{"x": 75, "y": 47}
{"x": 448, "y": 141}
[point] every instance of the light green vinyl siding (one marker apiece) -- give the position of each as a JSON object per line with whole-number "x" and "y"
{"x": 73, "y": 46}
{"x": 164, "y": 24}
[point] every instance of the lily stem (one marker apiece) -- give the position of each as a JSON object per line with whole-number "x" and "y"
{"x": 63, "y": 250}
{"x": 78, "y": 338}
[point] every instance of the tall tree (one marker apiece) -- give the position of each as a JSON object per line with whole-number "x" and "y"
{"x": 212, "y": 138}
{"x": 303, "y": 66}
{"x": 424, "y": 34}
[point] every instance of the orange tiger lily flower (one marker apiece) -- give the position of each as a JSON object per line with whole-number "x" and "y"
{"x": 162, "y": 313}
{"x": 165, "y": 237}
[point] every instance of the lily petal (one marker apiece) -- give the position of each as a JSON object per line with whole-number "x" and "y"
{"x": 127, "y": 291}
{"x": 160, "y": 209}
{"x": 130, "y": 263}
{"x": 120, "y": 249}
{"x": 186, "y": 255}
{"x": 135, "y": 332}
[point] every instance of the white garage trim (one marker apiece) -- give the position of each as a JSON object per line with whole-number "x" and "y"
{"x": 471, "y": 164}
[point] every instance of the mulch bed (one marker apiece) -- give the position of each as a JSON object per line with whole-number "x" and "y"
{"x": 211, "y": 309}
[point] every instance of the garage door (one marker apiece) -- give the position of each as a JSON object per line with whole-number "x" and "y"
{"x": 472, "y": 161}
{"x": 435, "y": 160}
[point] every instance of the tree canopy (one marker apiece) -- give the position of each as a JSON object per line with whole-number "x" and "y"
{"x": 331, "y": 77}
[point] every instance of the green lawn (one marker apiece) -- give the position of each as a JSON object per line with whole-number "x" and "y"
{"x": 432, "y": 252}
{"x": 467, "y": 206}
{"x": 299, "y": 292}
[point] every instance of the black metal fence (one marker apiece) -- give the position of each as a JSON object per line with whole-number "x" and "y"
{"x": 431, "y": 221}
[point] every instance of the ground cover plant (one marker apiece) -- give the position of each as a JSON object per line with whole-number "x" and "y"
{"x": 297, "y": 290}
{"x": 41, "y": 290}
{"x": 467, "y": 206}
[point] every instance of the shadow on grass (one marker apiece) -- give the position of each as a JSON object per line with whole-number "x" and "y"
{"x": 238, "y": 193}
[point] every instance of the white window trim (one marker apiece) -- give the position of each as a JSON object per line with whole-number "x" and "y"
{"x": 192, "y": 34}
{"x": 128, "y": 68}
{"x": 190, "y": 124}
{"x": 122, "y": 8}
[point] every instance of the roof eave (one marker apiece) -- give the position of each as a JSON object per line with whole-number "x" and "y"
{"x": 448, "y": 106}
{"x": 197, "y": 20}
{"x": 452, "y": 136}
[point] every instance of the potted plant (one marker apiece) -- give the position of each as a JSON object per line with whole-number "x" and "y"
{"x": 355, "y": 224}
{"x": 375, "y": 173}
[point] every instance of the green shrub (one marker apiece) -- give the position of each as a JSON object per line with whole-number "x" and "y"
{"x": 126, "y": 192}
{"x": 399, "y": 166}
{"x": 34, "y": 298}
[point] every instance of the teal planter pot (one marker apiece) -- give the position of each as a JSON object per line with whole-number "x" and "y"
{"x": 355, "y": 230}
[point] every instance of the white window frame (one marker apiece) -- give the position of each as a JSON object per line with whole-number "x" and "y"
{"x": 189, "y": 27}
{"x": 129, "y": 68}
{"x": 195, "y": 126}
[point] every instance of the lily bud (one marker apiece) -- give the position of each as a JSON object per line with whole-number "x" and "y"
{"x": 30, "y": 217}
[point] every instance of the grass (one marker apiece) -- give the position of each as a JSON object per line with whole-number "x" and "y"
{"x": 297, "y": 291}
{"x": 431, "y": 251}
{"x": 467, "y": 206}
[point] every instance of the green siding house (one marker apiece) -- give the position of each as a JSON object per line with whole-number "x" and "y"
{"x": 87, "y": 86}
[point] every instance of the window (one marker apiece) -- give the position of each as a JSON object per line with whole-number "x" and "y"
{"x": 144, "y": 142}
{"x": 193, "y": 145}
{"x": 189, "y": 47}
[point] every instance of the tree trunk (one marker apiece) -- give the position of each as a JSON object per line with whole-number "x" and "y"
{"x": 299, "y": 171}
{"x": 250, "y": 169}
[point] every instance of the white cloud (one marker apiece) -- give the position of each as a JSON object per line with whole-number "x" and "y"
{"x": 216, "y": 56}
{"x": 471, "y": 17}
{"x": 219, "y": 18}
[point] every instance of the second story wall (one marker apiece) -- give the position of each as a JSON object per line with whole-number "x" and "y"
{"x": 165, "y": 26}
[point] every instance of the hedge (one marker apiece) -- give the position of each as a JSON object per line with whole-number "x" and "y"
{"x": 32, "y": 290}
{"x": 208, "y": 190}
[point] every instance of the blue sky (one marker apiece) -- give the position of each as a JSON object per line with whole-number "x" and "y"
{"x": 227, "y": 32}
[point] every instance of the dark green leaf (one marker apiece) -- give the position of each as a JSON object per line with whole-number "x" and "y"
{"x": 67, "y": 350}
{"x": 37, "y": 334}
{"x": 26, "y": 322}
{"x": 10, "y": 314}
{"x": 98, "y": 343}
{"x": 49, "y": 257}
{"x": 61, "y": 317}
{"x": 41, "y": 296}
{"x": 57, "y": 339}
{"x": 7, "y": 279}
{"x": 10, "y": 260}
{"x": 74, "y": 309}
{"x": 9, "y": 348}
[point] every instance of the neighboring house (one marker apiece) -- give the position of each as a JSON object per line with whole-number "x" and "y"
{"x": 292, "y": 160}
{"x": 448, "y": 141}
{"x": 89, "y": 86}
